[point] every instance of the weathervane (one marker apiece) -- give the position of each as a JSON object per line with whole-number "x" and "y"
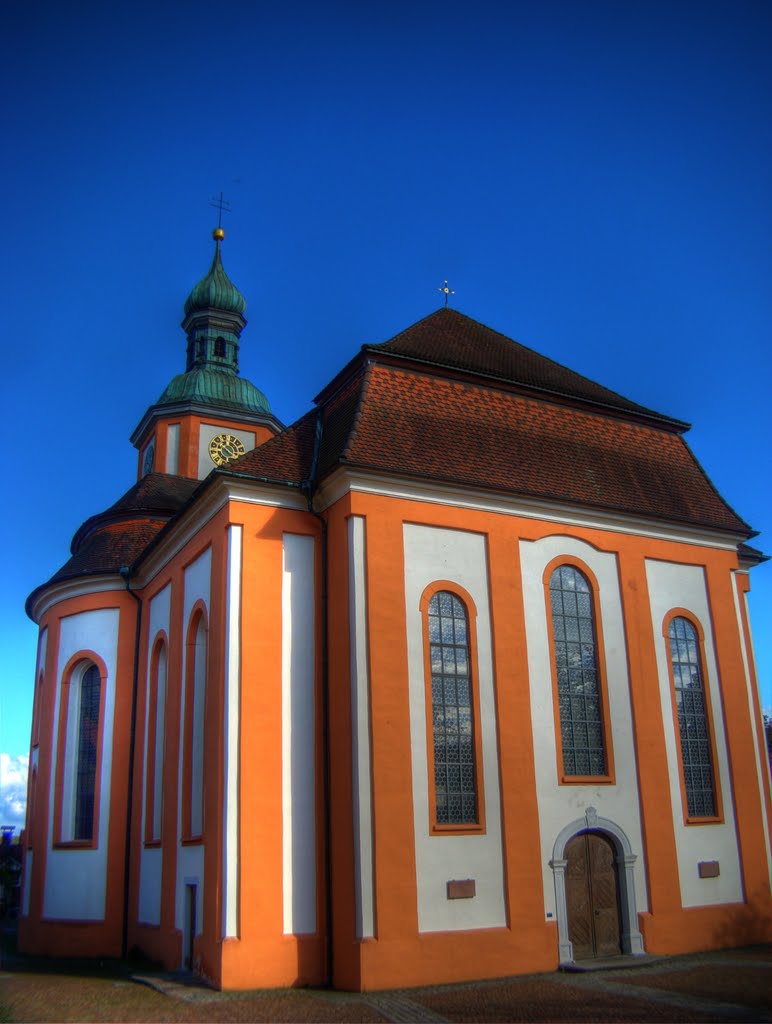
{"x": 223, "y": 206}
{"x": 447, "y": 291}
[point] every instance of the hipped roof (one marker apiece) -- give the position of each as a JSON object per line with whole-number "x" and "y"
{"x": 452, "y": 402}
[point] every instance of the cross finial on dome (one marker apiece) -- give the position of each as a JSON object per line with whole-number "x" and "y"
{"x": 222, "y": 206}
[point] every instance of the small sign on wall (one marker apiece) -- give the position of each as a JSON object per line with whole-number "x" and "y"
{"x": 708, "y": 869}
{"x": 461, "y": 889}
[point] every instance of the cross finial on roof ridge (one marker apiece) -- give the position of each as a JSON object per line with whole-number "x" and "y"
{"x": 446, "y": 291}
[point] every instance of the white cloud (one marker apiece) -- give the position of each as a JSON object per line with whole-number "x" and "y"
{"x": 13, "y": 789}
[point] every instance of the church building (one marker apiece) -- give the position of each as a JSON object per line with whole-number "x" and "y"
{"x": 450, "y": 679}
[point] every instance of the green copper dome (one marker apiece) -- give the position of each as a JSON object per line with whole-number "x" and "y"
{"x": 221, "y": 388}
{"x": 216, "y": 290}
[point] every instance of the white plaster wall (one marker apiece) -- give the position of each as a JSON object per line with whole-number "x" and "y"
{"x": 230, "y": 839}
{"x": 360, "y": 732}
{"x": 206, "y": 432}
{"x": 433, "y": 554}
{"x": 151, "y": 860}
{"x": 161, "y": 681}
{"x": 70, "y": 758}
{"x": 561, "y": 804}
{"x": 190, "y": 859}
{"x": 76, "y": 879}
{"x": 190, "y": 871}
{"x": 683, "y": 586}
{"x": 199, "y": 684}
{"x": 172, "y": 447}
{"x": 298, "y": 735}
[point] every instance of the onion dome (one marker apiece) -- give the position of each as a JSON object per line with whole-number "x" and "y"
{"x": 221, "y": 388}
{"x": 216, "y": 290}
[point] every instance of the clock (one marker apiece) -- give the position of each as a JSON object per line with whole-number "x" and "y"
{"x": 224, "y": 448}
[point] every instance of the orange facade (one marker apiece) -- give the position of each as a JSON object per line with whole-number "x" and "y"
{"x": 269, "y": 691}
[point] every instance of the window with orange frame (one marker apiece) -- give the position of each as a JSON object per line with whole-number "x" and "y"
{"x": 79, "y": 745}
{"x": 456, "y": 802}
{"x": 580, "y": 692}
{"x": 692, "y": 718}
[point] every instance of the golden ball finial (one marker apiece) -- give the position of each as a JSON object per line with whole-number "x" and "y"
{"x": 218, "y": 234}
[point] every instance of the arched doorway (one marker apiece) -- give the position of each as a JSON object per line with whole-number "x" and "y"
{"x": 592, "y": 896}
{"x": 623, "y": 857}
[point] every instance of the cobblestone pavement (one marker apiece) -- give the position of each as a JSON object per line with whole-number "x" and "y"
{"x": 730, "y": 985}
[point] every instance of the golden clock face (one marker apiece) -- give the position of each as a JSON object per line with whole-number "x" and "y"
{"x": 224, "y": 448}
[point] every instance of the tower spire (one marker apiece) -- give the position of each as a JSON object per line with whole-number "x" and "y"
{"x": 214, "y": 317}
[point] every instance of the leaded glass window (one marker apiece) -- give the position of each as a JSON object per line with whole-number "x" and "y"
{"x": 576, "y": 663}
{"x": 693, "y": 725}
{"x": 86, "y": 763}
{"x": 455, "y": 785}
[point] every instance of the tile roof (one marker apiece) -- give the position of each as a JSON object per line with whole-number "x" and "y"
{"x": 108, "y": 548}
{"x": 117, "y": 536}
{"x": 402, "y": 422}
{"x": 155, "y": 495}
{"x": 447, "y": 338}
{"x": 451, "y": 401}
{"x": 285, "y": 458}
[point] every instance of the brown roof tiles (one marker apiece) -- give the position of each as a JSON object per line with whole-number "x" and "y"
{"x": 449, "y": 339}
{"x": 406, "y": 422}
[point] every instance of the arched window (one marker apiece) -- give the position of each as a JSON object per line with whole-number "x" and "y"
{"x": 76, "y": 804}
{"x": 193, "y": 729}
{"x": 156, "y": 710}
{"x": 455, "y": 757}
{"x": 579, "y": 695}
{"x": 219, "y": 348}
{"x": 694, "y": 734}
{"x": 86, "y": 758}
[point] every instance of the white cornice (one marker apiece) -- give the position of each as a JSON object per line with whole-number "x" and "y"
{"x": 344, "y": 480}
{"x": 205, "y": 509}
{"x": 67, "y": 589}
{"x": 185, "y": 407}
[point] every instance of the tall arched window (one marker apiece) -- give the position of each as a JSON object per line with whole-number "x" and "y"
{"x": 455, "y": 749}
{"x": 156, "y": 711}
{"x": 76, "y": 804}
{"x": 694, "y": 733}
{"x": 86, "y": 758}
{"x": 579, "y": 695}
{"x": 193, "y": 733}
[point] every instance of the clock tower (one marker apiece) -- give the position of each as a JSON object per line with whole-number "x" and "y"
{"x": 207, "y": 416}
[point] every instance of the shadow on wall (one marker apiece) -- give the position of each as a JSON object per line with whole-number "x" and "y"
{"x": 746, "y": 923}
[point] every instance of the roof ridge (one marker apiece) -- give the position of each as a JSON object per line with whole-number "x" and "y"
{"x": 534, "y": 371}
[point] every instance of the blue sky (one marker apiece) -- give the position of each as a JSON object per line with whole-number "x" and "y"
{"x": 592, "y": 178}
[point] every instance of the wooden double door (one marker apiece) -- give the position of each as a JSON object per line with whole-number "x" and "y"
{"x": 592, "y": 896}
